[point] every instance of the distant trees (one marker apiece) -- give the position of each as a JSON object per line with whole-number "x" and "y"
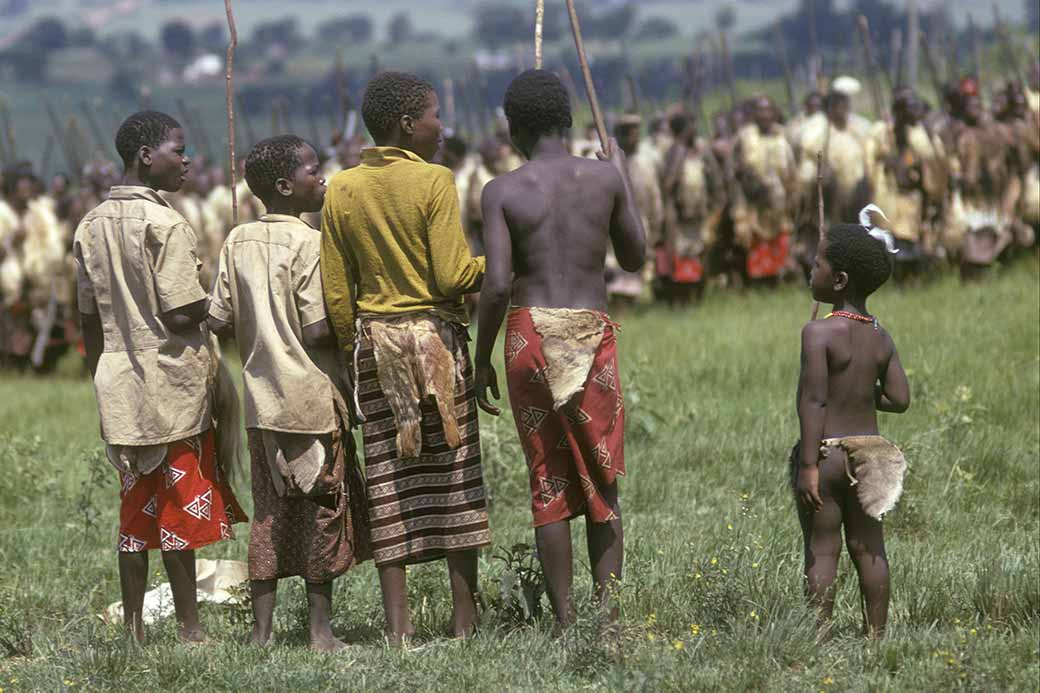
{"x": 496, "y": 23}
{"x": 29, "y": 56}
{"x": 400, "y": 28}
{"x": 178, "y": 40}
{"x": 357, "y": 28}
{"x": 282, "y": 33}
{"x": 1033, "y": 15}
{"x": 656, "y": 28}
{"x": 213, "y": 38}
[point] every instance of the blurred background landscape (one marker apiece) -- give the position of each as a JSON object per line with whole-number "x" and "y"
{"x": 73, "y": 68}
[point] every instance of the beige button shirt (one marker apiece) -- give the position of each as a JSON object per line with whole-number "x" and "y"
{"x": 269, "y": 286}
{"x": 135, "y": 259}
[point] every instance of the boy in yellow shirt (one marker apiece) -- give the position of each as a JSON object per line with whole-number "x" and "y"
{"x": 395, "y": 266}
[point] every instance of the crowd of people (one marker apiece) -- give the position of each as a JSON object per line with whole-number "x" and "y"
{"x": 732, "y": 202}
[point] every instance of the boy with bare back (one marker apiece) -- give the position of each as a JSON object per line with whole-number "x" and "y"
{"x": 547, "y": 226}
{"x": 844, "y": 473}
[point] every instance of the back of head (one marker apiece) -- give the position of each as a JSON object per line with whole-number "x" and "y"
{"x": 390, "y": 95}
{"x": 851, "y": 249}
{"x": 271, "y": 159}
{"x": 537, "y": 103}
{"x": 143, "y": 129}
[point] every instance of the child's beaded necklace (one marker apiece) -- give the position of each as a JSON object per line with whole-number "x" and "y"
{"x": 853, "y": 316}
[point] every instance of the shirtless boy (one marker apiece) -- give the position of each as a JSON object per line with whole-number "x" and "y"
{"x": 844, "y": 473}
{"x": 547, "y": 226}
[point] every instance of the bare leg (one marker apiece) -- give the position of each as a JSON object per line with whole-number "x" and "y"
{"x": 821, "y": 531}
{"x": 263, "y": 595}
{"x": 319, "y": 605}
{"x": 462, "y": 572}
{"x": 393, "y": 583}
{"x": 180, "y": 568}
{"x": 133, "y": 581}
{"x": 606, "y": 544}
{"x": 865, "y": 540}
{"x": 554, "y": 550}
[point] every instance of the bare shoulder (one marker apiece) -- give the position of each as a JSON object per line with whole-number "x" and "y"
{"x": 816, "y": 333}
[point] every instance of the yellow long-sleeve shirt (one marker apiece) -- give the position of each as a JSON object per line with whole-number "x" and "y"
{"x": 392, "y": 242}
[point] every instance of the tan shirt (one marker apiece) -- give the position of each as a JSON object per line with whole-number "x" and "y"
{"x": 135, "y": 259}
{"x": 269, "y": 286}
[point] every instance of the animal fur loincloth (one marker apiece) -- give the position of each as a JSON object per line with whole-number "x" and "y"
{"x": 874, "y": 465}
{"x": 414, "y": 360}
{"x": 570, "y": 339}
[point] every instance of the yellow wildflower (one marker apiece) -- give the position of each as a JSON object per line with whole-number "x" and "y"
{"x": 678, "y": 644}
{"x": 828, "y": 681}
{"x": 695, "y": 629}
{"x": 651, "y": 637}
{"x": 714, "y": 561}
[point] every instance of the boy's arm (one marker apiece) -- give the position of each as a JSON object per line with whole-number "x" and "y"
{"x": 309, "y": 297}
{"x": 812, "y": 412}
{"x": 494, "y": 297}
{"x": 626, "y": 226}
{"x": 455, "y": 270}
{"x": 93, "y": 339}
{"x": 221, "y": 318}
{"x": 337, "y": 279}
{"x": 892, "y": 393}
{"x": 89, "y": 319}
{"x": 183, "y": 303}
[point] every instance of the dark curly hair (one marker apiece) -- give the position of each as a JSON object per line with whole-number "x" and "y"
{"x": 389, "y": 96}
{"x": 143, "y": 129}
{"x": 271, "y": 159}
{"x": 537, "y": 102}
{"x": 865, "y": 259}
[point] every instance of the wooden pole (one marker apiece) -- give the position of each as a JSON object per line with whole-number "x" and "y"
{"x": 819, "y": 211}
{"x": 976, "y": 51}
{"x": 539, "y": 24}
{"x": 229, "y": 78}
{"x": 59, "y": 135}
{"x": 45, "y": 160}
{"x": 1009, "y": 49}
{"x": 875, "y": 86}
{"x": 913, "y": 28}
{"x": 814, "y": 49}
{"x": 95, "y": 130}
{"x": 590, "y": 88}
{"x": 10, "y": 149}
{"x": 247, "y": 123}
{"x": 895, "y": 64}
{"x": 781, "y": 52}
{"x": 727, "y": 65}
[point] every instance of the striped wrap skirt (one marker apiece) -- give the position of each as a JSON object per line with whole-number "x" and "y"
{"x": 421, "y": 508}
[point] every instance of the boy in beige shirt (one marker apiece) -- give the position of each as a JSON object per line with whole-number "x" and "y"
{"x": 310, "y": 511}
{"x": 143, "y": 313}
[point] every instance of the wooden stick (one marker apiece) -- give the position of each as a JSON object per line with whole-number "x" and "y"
{"x": 781, "y": 51}
{"x": 95, "y": 129}
{"x": 228, "y": 76}
{"x": 590, "y": 88}
{"x": 819, "y": 210}
{"x": 59, "y": 135}
{"x": 45, "y": 160}
{"x": 875, "y": 86}
{"x": 247, "y": 122}
{"x": 913, "y": 28}
{"x": 727, "y": 65}
{"x": 7, "y": 134}
{"x": 539, "y": 24}
{"x": 1009, "y": 49}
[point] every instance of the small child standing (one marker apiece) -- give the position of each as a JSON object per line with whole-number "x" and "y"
{"x": 844, "y": 473}
{"x": 144, "y": 328}
{"x": 310, "y": 512}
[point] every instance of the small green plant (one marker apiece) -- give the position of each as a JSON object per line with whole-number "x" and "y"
{"x": 522, "y": 583}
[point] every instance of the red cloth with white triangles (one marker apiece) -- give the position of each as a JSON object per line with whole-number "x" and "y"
{"x": 575, "y": 453}
{"x": 767, "y": 258}
{"x": 180, "y": 506}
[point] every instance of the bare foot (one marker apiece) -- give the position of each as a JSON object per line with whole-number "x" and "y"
{"x": 328, "y": 644}
{"x": 192, "y": 635}
{"x": 262, "y": 640}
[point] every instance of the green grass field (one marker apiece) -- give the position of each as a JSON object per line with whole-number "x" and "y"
{"x": 712, "y": 595}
